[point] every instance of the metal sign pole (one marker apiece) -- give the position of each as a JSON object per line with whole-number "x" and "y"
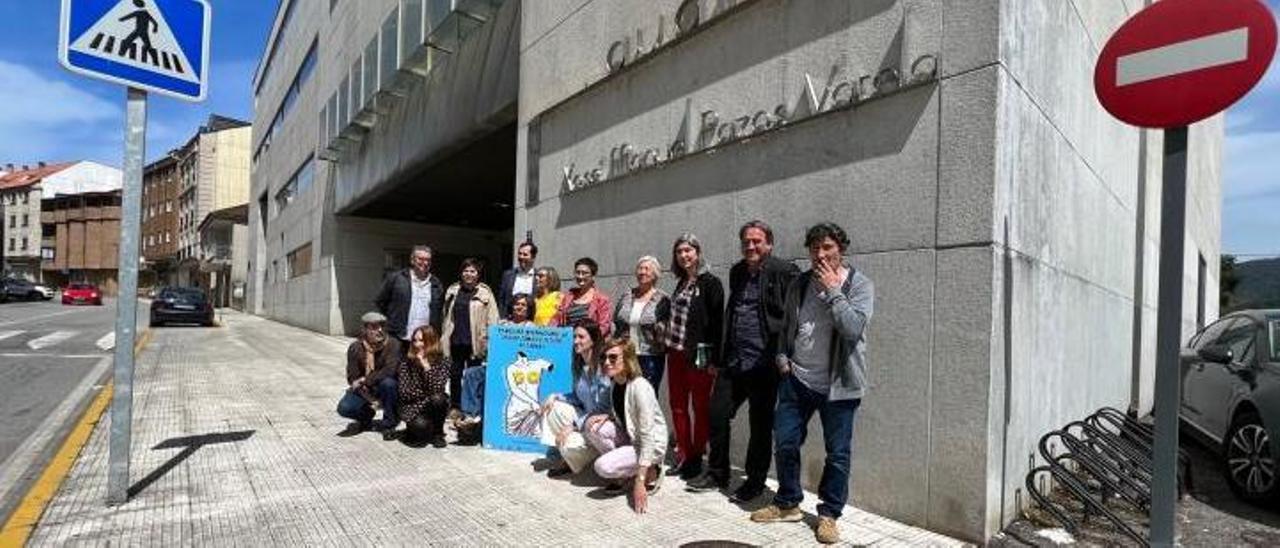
{"x": 135, "y": 144}
{"x": 1173, "y": 205}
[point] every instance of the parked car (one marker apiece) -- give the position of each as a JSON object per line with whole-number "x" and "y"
{"x": 81, "y": 293}
{"x": 17, "y": 289}
{"x": 181, "y": 305}
{"x": 1231, "y": 398}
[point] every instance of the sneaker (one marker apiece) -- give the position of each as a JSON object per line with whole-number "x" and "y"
{"x": 454, "y": 416}
{"x": 691, "y": 468}
{"x": 559, "y": 471}
{"x": 706, "y": 483}
{"x": 439, "y": 442}
{"x": 772, "y": 513}
{"x": 746, "y": 492}
{"x": 827, "y": 532}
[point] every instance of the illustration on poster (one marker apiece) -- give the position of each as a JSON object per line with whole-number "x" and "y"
{"x": 524, "y": 377}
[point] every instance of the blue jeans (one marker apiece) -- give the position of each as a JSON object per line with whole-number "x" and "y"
{"x": 796, "y": 405}
{"x": 473, "y": 391}
{"x": 652, "y": 368}
{"x": 353, "y": 406}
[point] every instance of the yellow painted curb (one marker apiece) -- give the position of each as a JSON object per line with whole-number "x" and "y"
{"x": 27, "y": 515}
{"x": 18, "y": 529}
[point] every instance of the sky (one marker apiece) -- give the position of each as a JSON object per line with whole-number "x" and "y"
{"x": 49, "y": 114}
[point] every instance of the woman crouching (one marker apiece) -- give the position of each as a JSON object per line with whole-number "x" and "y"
{"x": 633, "y": 446}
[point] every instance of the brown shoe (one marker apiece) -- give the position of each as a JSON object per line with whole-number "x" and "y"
{"x": 827, "y": 532}
{"x": 771, "y": 514}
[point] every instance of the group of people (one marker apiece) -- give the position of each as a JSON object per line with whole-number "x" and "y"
{"x": 791, "y": 343}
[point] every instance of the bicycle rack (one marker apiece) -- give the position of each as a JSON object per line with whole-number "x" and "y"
{"x": 1105, "y": 460}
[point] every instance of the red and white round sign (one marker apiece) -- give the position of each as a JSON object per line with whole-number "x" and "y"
{"x": 1181, "y": 61}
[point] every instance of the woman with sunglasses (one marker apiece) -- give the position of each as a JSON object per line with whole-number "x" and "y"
{"x": 632, "y": 441}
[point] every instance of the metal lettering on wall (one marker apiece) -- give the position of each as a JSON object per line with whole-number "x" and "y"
{"x": 690, "y": 15}
{"x": 841, "y": 91}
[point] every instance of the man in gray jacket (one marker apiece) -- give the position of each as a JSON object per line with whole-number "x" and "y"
{"x": 822, "y": 361}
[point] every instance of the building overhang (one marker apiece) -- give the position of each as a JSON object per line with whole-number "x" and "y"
{"x": 399, "y": 113}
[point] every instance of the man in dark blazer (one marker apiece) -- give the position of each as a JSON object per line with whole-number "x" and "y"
{"x": 753, "y": 321}
{"x": 412, "y": 297}
{"x": 518, "y": 279}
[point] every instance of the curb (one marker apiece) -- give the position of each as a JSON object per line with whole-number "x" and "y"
{"x": 17, "y": 530}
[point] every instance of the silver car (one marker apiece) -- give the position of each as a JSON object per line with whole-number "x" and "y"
{"x": 1231, "y": 397}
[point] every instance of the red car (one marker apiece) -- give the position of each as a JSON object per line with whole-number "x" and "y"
{"x": 81, "y": 293}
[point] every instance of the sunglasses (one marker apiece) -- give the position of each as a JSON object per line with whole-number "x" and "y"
{"x": 612, "y": 357}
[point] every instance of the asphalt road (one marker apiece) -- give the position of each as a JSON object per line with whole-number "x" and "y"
{"x": 52, "y": 359}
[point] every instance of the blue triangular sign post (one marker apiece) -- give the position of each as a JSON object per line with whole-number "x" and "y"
{"x": 154, "y": 45}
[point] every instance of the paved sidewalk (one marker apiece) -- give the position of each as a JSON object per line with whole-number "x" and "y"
{"x": 234, "y": 444}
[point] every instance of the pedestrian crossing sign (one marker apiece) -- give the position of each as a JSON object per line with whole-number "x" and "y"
{"x": 154, "y": 45}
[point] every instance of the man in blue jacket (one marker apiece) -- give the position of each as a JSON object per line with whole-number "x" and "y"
{"x": 822, "y": 360}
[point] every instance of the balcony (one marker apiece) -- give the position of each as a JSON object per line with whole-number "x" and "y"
{"x": 411, "y": 42}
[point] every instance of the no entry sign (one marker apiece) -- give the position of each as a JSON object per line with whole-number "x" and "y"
{"x": 1181, "y": 61}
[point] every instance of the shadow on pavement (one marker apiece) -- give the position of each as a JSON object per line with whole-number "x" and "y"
{"x": 1210, "y": 488}
{"x": 190, "y": 445}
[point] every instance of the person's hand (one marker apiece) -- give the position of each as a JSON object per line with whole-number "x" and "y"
{"x": 827, "y": 274}
{"x": 562, "y": 435}
{"x": 595, "y": 421}
{"x": 639, "y": 494}
{"x": 356, "y": 384}
{"x": 783, "y": 364}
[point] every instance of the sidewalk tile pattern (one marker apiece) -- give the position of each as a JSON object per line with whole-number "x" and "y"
{"x": 293, "y": 482}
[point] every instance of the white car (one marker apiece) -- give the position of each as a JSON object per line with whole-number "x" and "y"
{"x": 47, "y": 293}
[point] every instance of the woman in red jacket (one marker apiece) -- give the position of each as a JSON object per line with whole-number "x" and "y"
{"x": 586, "y": 301}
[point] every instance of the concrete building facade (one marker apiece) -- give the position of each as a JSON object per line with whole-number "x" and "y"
{"x": 212, "y": 174}
{"x": 160, "y": 186}
{"x": 26, "y": 242}
{"x": 1010, "y": 224}
{"x": 20, "y": 218}
{"x": 82, "y": 239}
{"x": 224, "y": 254}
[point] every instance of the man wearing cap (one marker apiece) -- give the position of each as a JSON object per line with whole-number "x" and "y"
{"x": 371, "y": 378}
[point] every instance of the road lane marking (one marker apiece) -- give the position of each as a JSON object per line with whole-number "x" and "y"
{"x": 1210, "y": 51}
{"x": 20, "y": 461}
{"x": 51, "y": 339}
{"x": 38, "y": 318}
{"x": 17, "y": 530}
{"x": 107, "y": 342}
{"x": 9, "y": 334}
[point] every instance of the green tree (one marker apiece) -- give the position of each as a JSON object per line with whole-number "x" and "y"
{"x": 1227, "y": 282}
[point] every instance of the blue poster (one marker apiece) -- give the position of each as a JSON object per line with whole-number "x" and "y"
{"x": 526, "y": 364}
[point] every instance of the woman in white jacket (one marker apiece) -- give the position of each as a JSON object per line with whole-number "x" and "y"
{"x": 633, "y": 441}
